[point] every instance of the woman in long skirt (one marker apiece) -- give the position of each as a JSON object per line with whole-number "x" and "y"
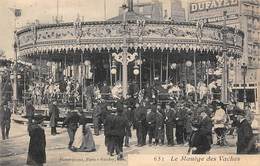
{"x": 84, "y": 141}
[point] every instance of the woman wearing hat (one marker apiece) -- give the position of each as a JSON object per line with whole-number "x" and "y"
{"x": 36, "y": 152}
{"x": 84, "y": 141}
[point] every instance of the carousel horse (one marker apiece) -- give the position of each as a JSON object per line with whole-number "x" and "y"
{"x": 212, "y": 86}
{"x": 174, "y": 89}
{"x": 203, "y": 90}
{"x": 117, "y": 91}
{"x": 141, "y": 95}
{"x": 97, "y": 94}
{"x": 189, "y": 89}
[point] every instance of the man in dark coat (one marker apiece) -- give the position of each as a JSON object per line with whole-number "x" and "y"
{"x": 54, "y": 116}
{"x": 198, "y": 142}
{"x": 127, "y": 111}
{"x": 180, "y": 117}
{"x": 206, "y": 126}
{"x": 97, "y": 118}
{"x": 151, "y": 122}
{"x": 245, "y": 137}
{"x": 159, "y": 127}
{"x": 30, "y": 111}
{"x": 5, "y": 121}
{"x": 71, "y": 122}
{"x": 170, "y": 121}
{"x": 36, "y": 152}
{"x": 108, "y": 126}
{"x": 119, "y": 130}
{"x": 139, "y": 123}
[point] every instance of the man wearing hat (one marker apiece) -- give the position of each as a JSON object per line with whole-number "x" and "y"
{"x": 219, "y": 120}
{"x": 139, "y": 123}
{"x": 127, "y": 111}
{"x": 29, "y": 110}
{"x": 198, "y": 142}
{"x": 151, "y": 122}
{"x": 159, "y": 126}
{"x": 36, "y": 152}
{"x": 54, "y": 116}
{"x": 109, "y": 116}
{"x": 97, "y": 118}
{"x": 170, "y": 122}
{"x": 5, "y": 120}
{"x": 120, "y": 129}
{"x": 180, "y": 117}
{"x": 71, "y": 122}
{"x": 206, "y": 126}
{"x": 245, "y": 137}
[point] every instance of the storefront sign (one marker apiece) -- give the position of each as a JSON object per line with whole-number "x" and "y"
{"x": 211, "y": 4}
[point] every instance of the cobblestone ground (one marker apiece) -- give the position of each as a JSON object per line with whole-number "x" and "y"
{"x": 14, "y": 151}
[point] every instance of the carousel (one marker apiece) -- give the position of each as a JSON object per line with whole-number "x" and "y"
{"x": 127, "y": 50}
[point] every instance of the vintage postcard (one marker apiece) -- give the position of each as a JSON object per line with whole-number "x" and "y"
{"x": 130, "y": 82}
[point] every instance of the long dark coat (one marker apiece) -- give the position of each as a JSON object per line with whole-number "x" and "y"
{"x": 206, "y": 128}
{"x": 139, "y": 117}
{"x": 54, "y": 115}
{"x": 36, "y": 152}
{"x": 108, "y": 123}
{"x": 170, "y": 117}
{"x": 71, "y": 121}
{"x": 159, "y": 127}
{"x": 245, "y": 138}
{"x": 120, "y": 126}
{"x": 199, "y": 141}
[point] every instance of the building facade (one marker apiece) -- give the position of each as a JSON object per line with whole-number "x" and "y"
{"x": 241, "y": 14}
{"x": 177, "y": 11}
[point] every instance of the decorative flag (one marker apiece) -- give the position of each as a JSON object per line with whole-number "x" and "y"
{"x": 17, "y": 12}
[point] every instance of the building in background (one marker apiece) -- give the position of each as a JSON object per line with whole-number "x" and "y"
{"x": 177, "y": 11}
{"x": 242, "y": 14}
{"x": 151, "y": 9}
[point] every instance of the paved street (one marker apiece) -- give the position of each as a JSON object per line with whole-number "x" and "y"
{"x": 14, "y": 150}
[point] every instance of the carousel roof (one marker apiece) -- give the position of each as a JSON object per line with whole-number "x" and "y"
{"x": 108, "y": 35}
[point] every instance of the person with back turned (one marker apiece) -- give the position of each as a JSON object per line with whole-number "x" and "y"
{"x": 170, "y": 121}
{"x": 54, "y": 116}
{"x": 71, "y": 122}
{"x": 36, "y": 153}
{"x": 119, "y": 131}
{"x": 245, "y": 138}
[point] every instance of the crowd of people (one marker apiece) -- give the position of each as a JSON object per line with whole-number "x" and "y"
{"x": 174, "y": 120}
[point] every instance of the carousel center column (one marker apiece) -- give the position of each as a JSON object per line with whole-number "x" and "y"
{"x": 124, "y": 58}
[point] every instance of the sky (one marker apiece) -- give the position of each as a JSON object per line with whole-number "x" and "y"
{"x": 45, "y": 10}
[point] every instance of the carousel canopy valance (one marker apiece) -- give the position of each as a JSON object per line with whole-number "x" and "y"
{"x": 145, "y": 34}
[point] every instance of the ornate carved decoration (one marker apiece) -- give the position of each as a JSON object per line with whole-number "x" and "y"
{"x": 108, "y": 35}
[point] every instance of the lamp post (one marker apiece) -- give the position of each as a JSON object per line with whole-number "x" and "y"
{"x": 198, "y": 36}
{"x": 244, "y": 71}
{"x": 78, "y": 34}
{"x": 124, "y": 57}
{"x": 141, "y": 25}
{"x": 224, "y": 90}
